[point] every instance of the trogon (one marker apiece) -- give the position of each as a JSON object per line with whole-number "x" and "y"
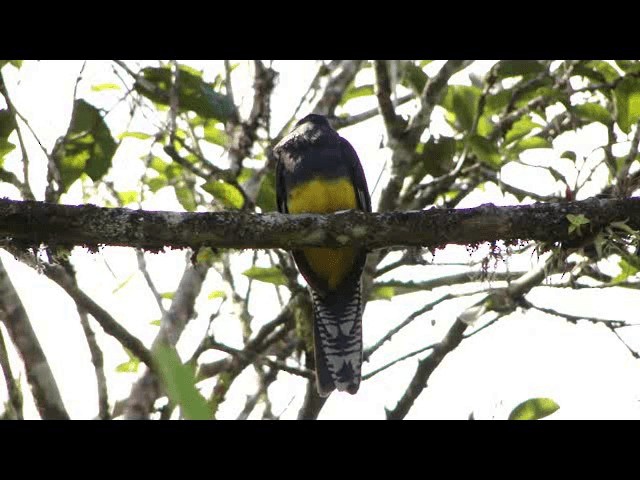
{"x": 318, "y": 171}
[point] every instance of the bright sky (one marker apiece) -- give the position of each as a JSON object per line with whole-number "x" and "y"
{"x": 583, "y": 367}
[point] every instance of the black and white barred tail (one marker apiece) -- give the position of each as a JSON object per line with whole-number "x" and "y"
{"x": 338, "y": 340}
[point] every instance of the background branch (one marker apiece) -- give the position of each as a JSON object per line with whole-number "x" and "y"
{"x": 39, "y": 375}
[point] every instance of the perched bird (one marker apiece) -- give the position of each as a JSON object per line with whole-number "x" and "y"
{"x": 318, "y": 171}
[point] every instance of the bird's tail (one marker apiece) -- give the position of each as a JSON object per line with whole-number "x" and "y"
{"x": 338, "y": 340}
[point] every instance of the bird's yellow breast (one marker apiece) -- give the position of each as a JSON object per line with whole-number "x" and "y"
{"x": 322, "y": 196}
{"x": 325, "y": 196}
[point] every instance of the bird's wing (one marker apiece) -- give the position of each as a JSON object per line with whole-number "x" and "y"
{"x": 358, "y": 177}
{"x": 281, "y": 193}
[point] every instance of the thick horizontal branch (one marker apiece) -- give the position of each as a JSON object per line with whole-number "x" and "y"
{"x": 33, "y": 223}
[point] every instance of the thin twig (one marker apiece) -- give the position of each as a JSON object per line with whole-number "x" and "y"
{"x": 398, "y": 360}
{"x": 98, "y": 366}
{"x": 421, "y": 311}
{"x": 251, "y": 357}
{"x": 142, "y": 265}
{"x": 25, "y": 188}
{"x": 106, "y": 321}
{"x": 613, "y": 324}
{"x": 343, "y": 122}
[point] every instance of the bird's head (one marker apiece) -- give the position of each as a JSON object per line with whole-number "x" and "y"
{"x": 314, "y": 119}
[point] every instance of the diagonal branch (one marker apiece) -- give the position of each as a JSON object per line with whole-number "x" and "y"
{"x": 383, "y": 88}
{"x": 147, "y": 389}
{"x": 109, "y": 324}
{"x": 97, "y": 359}
{"x": 455, "y": 335}
{"x": 13, "y": 388}
{"x": 336, "y": 87}
{"x": 39, "y": 375}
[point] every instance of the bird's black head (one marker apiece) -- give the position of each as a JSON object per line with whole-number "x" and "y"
{"x": 315, "y": 119}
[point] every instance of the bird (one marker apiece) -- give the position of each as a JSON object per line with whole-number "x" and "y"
{"x": 318, "y": 171}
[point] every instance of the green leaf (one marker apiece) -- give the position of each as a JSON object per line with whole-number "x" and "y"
{"x": 485, "y": 127}
{"x": 266, "y": 199}
{"x": 520, "y": 128}
{"x": 486, "y": 151}
{"x": 383, "y": 293}
{"x": 599, "y": 242}
{"x": 174, "y": 170}
{"x": 625, "y": 228}
{"x": 156, "y": 323}
{"x": 180, "y": 384}
{"x": 138, "y": 135}
{"x": 88, "y": 146}
{"x": 628, "y": 66}
{"x": 529, "y": 143}
{"x": 356, "y": 92}
{"x": 193, "y": 93}
{"x": 594, "y": 112}
{"x": 496, "y": 102}
{"x": 577, "y": 220}
{"x": 627, "y": 101}
{"x": 215, "y": 135}
{"x": 16, "y": 63}
{"x": 393, "y": 288}
{"x": 626, "y": 270}
{"x": 605, "y": 69}
{"x": 512, "y": 68}
{"x": 167, "y": 295}
{"x": 7, "y": 123}
{"x": 462, "y": 100}
{"x": 245, "y": 174}
{"x": 105, "y": 86}
{"x": 414, "y": 78}
{"x": 550, "y": 94}
{"x": 158, "y": 164}
{"x": 534, "y": 409}
{"x": 186, "y": 197}
{"x": 435, "y": 157}
{"x": 225, "y": 193}
{"x": 124, "y": 283}
{"x": 217, "y": 294}
{"x": 569, "y": 154}
{"x": 156, "y": 183}
{"x": 557, "y": 176}
{"x": 130, "y": 366}
{"x": 130, "y": 196}
{"x": 5, "y": 147}
{"x": 268, "y": 275}
{"x": 207, "y": 255}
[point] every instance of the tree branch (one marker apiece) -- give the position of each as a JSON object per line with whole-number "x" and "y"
{"x": 336, "y": 87}
{"x": 39, "y": 375}
{"x": 97, "y": 359}
{"x": 147, "y": 389}
{"x": 14, "y": 408}
{"x": 32, "y": 223}
{"x": 503, "y": 299}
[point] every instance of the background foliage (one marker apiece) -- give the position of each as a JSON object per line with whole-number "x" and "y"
{"x": 199, "y": 137}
